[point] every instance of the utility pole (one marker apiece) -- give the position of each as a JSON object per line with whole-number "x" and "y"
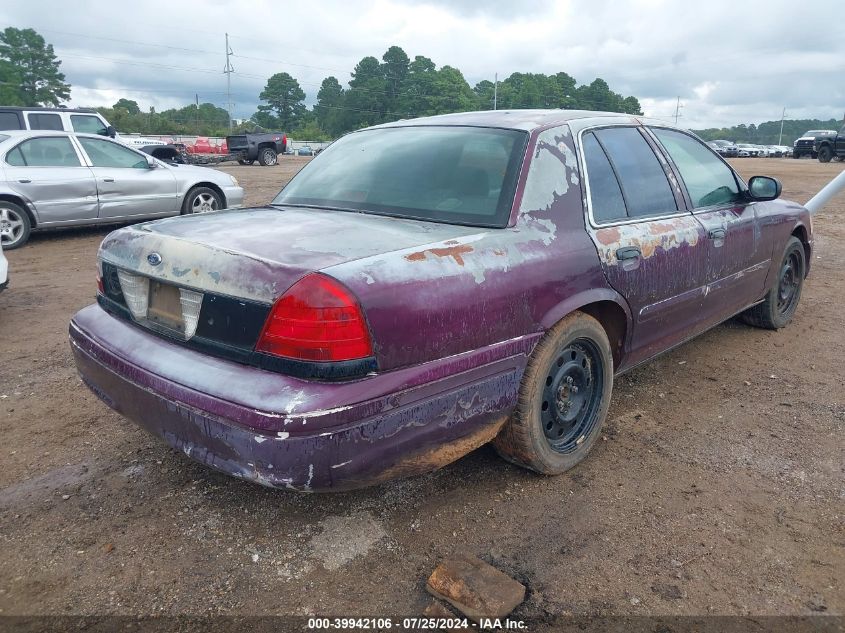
{"x": 782, "y": 117}
{"x": 228, "y": 71}
{"x": 677, "y": 110}
{"x": 495, "y": 90}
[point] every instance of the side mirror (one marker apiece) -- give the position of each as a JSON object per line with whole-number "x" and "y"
{"x": 151, "y": 162}
{"x": 764, "y": 188}
{"x": 111, "y": 131}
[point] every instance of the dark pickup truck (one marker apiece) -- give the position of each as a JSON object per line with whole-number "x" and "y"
{"x": 265, "y": 148}
{"x": 830, "y": 146}
{"x": 804, "y": 146}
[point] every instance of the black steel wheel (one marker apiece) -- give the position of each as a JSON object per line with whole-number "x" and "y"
{"x": 789, "y": 283}
{"x": 779, "y": 305}
{"x": 563, "y": 399}
{"x": 572, "y": 395}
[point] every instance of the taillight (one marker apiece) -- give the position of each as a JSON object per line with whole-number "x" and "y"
{"x": 317, "y": 319}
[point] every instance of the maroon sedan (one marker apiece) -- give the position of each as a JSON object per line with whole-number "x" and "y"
{"x": 427, "y": 286}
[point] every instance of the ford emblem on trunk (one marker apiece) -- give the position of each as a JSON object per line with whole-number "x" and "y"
{"x": 154, "y": 259}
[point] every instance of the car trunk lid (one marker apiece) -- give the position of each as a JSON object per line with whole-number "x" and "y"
{"x": 257, "y": 254}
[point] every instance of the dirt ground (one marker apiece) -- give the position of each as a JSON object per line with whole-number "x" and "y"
{"x": 717, "y": 488}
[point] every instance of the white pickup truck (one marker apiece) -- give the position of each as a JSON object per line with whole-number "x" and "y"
{"x": 82, "y": 120}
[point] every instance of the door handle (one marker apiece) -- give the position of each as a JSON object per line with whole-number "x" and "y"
{"x": 628, "y": 252}
{"x": 108, "y": 179}
{"x": 25, "y": 180}
{"x": 716, "y": 234}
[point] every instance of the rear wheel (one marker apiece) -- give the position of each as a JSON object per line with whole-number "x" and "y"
{"x": 563, "y": 399}
{"x": 14, "y": 225}
{"x": 202, "y": 200}
{"x": 825, "y": 154}
{"x": 778, "y": 308}
{"x": 267, "y": 156}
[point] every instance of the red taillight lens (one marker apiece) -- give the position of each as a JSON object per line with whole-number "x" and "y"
{"x": 317, "y": 319}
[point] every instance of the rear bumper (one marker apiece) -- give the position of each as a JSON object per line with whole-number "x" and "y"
{"x": 399, "y": 423}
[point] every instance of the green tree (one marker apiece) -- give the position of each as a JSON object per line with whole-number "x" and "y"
{"x": 265, "y": 120}
{"x": 129, "y": 105}
{"x": 329, "y": 108}
{"x": 365, "y": 99}
{"x": 10, "y": 81}
{"x": 419, "y": 92}
{"x": 41, "y": 82}
{"x": 284, "y": 98}
{"x": 484, "y": 94}
{"x": 631, "y": 105}
{"x": 395, "y": 71}
{"x": 597, "y": 96}
{"x": 451, "y": 92}
{"x": 768, "y": 132}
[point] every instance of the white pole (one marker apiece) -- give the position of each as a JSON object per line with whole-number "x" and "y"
{"x": 495, "y": 90}
{"x": 782, "y": 117}
{"x": 818, "y": 201}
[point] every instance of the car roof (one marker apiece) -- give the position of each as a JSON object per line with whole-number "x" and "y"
{"x": 25, "y": 133}
{"x": 16, "y": 135}
{"x": 527, "y": 120}
{"x": 45, "y": 109}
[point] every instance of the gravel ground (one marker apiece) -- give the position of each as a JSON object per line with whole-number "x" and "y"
{"x": 716, "y": 489}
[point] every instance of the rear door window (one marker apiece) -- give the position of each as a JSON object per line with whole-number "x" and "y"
{"x": 10, "y": 121}
{"x": 48, "y": 151}
{"x": 44, "y": 121}
{"x": 708, "y": 180}
{"x": 87, "y": 124}
{"x": 644, "y": 185}
{"x": 606, "y": 199}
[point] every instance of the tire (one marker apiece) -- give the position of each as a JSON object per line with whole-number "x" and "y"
{"x": 536, "y": 435}
{"x": 241, "y": 161}
{"x": 15, "y": 225}
{"x": 796, "y": 155}
{"x": 778, "y": 308}
{"x": 202, "y": 200}
{"x": 267, "y": 156}
{"x": 825, "y": 154}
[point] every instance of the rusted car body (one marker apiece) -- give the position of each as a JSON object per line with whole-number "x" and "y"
{"x": 454, "y": 311}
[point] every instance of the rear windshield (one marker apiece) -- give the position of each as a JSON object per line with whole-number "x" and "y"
{"x": 460, "y": 175}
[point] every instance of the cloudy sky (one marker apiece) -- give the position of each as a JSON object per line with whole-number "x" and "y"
{"x": 730, "y": 61}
